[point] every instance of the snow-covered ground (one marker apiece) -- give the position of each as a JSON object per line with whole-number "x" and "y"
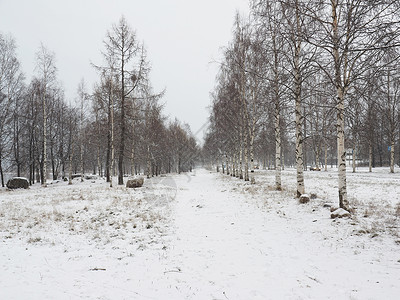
{"x": 202, "y": 236}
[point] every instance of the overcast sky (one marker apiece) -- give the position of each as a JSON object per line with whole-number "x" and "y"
{"x": 182, "y": 37}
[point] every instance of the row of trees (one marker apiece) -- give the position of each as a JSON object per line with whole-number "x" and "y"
{"x": 119, "y": 128}
{"x": 303, "y": 79}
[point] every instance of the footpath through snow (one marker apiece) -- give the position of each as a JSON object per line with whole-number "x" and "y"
{"x": 208, "y": 236}
{"x": 233, "y": 246}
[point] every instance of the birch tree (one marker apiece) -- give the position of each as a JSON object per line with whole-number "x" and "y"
{"x": 269, "y": 14}
{"x": 300, "y": 57}
{"x": 46, "y": 72}
{"x": 82, "y": 99}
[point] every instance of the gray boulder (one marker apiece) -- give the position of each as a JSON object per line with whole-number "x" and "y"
{"x": 18, "y": 183}
{"x": 135, "y": 182}
{"x": 340, "y": 213}
{"x": 304, "y": 199}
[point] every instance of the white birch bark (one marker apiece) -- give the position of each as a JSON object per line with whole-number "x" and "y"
{"x": 370, "y": 157}
{"x": 237, "y": 164}
{"x": 133, "y": 160}
{"x": 112, "y": 138}
{"x": 299, "y": 149}
{"x": 149, "y": 163}
{"x": 81, "y": 138}
{"x": 71, "y": 154}
{"x": 44, "y": 184}
{"x": 98, "y": 145}
{"x": 278, "y": 169}
{"x": 343, "y": 202}
{"x": 232, "y": 167}
{"x": 317, "y": 157}
{"x": 326, "y": 156}
{"x": 252, "y": 166}
{"x": 241, "y": 153}
{"x": 133, "y": 139}
{"x": 298, "y": 109}
{"x": 278, "y": 150}
{"x": 246, "y": 157}
{"x": 392, "y": 144}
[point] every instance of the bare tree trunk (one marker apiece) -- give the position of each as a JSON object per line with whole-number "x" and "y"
{"x": 252, "y": 177}
{"x": 299, "y": 148}
{"x": 392, "y": 145}
{"x": 149, "y": 163}
{"x": 278, "y": 170}
{"x": 122, "y": 123}
{"x": 326, "y": 156}
{"x": 1, "y": 173}
{"x": 53, "y": 163}
{"x": 304, "y": 137}
{"x": 99, "y": 163}
{"x": 246, "y": 157}
{"x": 133, "y": 140}
{"x": 112, "y": 141}
{"x": 31, "y": 162}
{"x": 108, "y": 154}
{"x": 233, "y": 163}
{"x": 108, "y": 160}
{"x": 370, "y": 156}
{"x": 277, "y": 116}
{"x": 241, "y": 153}
{"x": 71, "y": 155}
{"x": 82, "y": 96}
{"x": 133, "y": 160}
{"x": 227, "y": 164}
{"x": 236, "y": 159}
{"x": 343, "y": 202}
{"x": 44, "y": 181}
{"x": 354, "y": 159}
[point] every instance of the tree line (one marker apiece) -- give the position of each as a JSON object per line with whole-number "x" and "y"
{"x": 306, "y": 83}
{"x": 116, "y": 129}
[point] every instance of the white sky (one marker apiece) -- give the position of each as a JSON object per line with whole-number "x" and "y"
{"x": 182, "y": 37}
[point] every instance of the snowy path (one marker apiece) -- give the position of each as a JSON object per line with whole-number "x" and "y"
{"x": 219, "y": 245}
{"x": 228, "y": 249}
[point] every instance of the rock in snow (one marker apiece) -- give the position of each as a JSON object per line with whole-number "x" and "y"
{"x": 135, "y": 183}
{"x": 304, "y": 199}
{"x": 340, "y": 213}
{"x": 18, "y": 183}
